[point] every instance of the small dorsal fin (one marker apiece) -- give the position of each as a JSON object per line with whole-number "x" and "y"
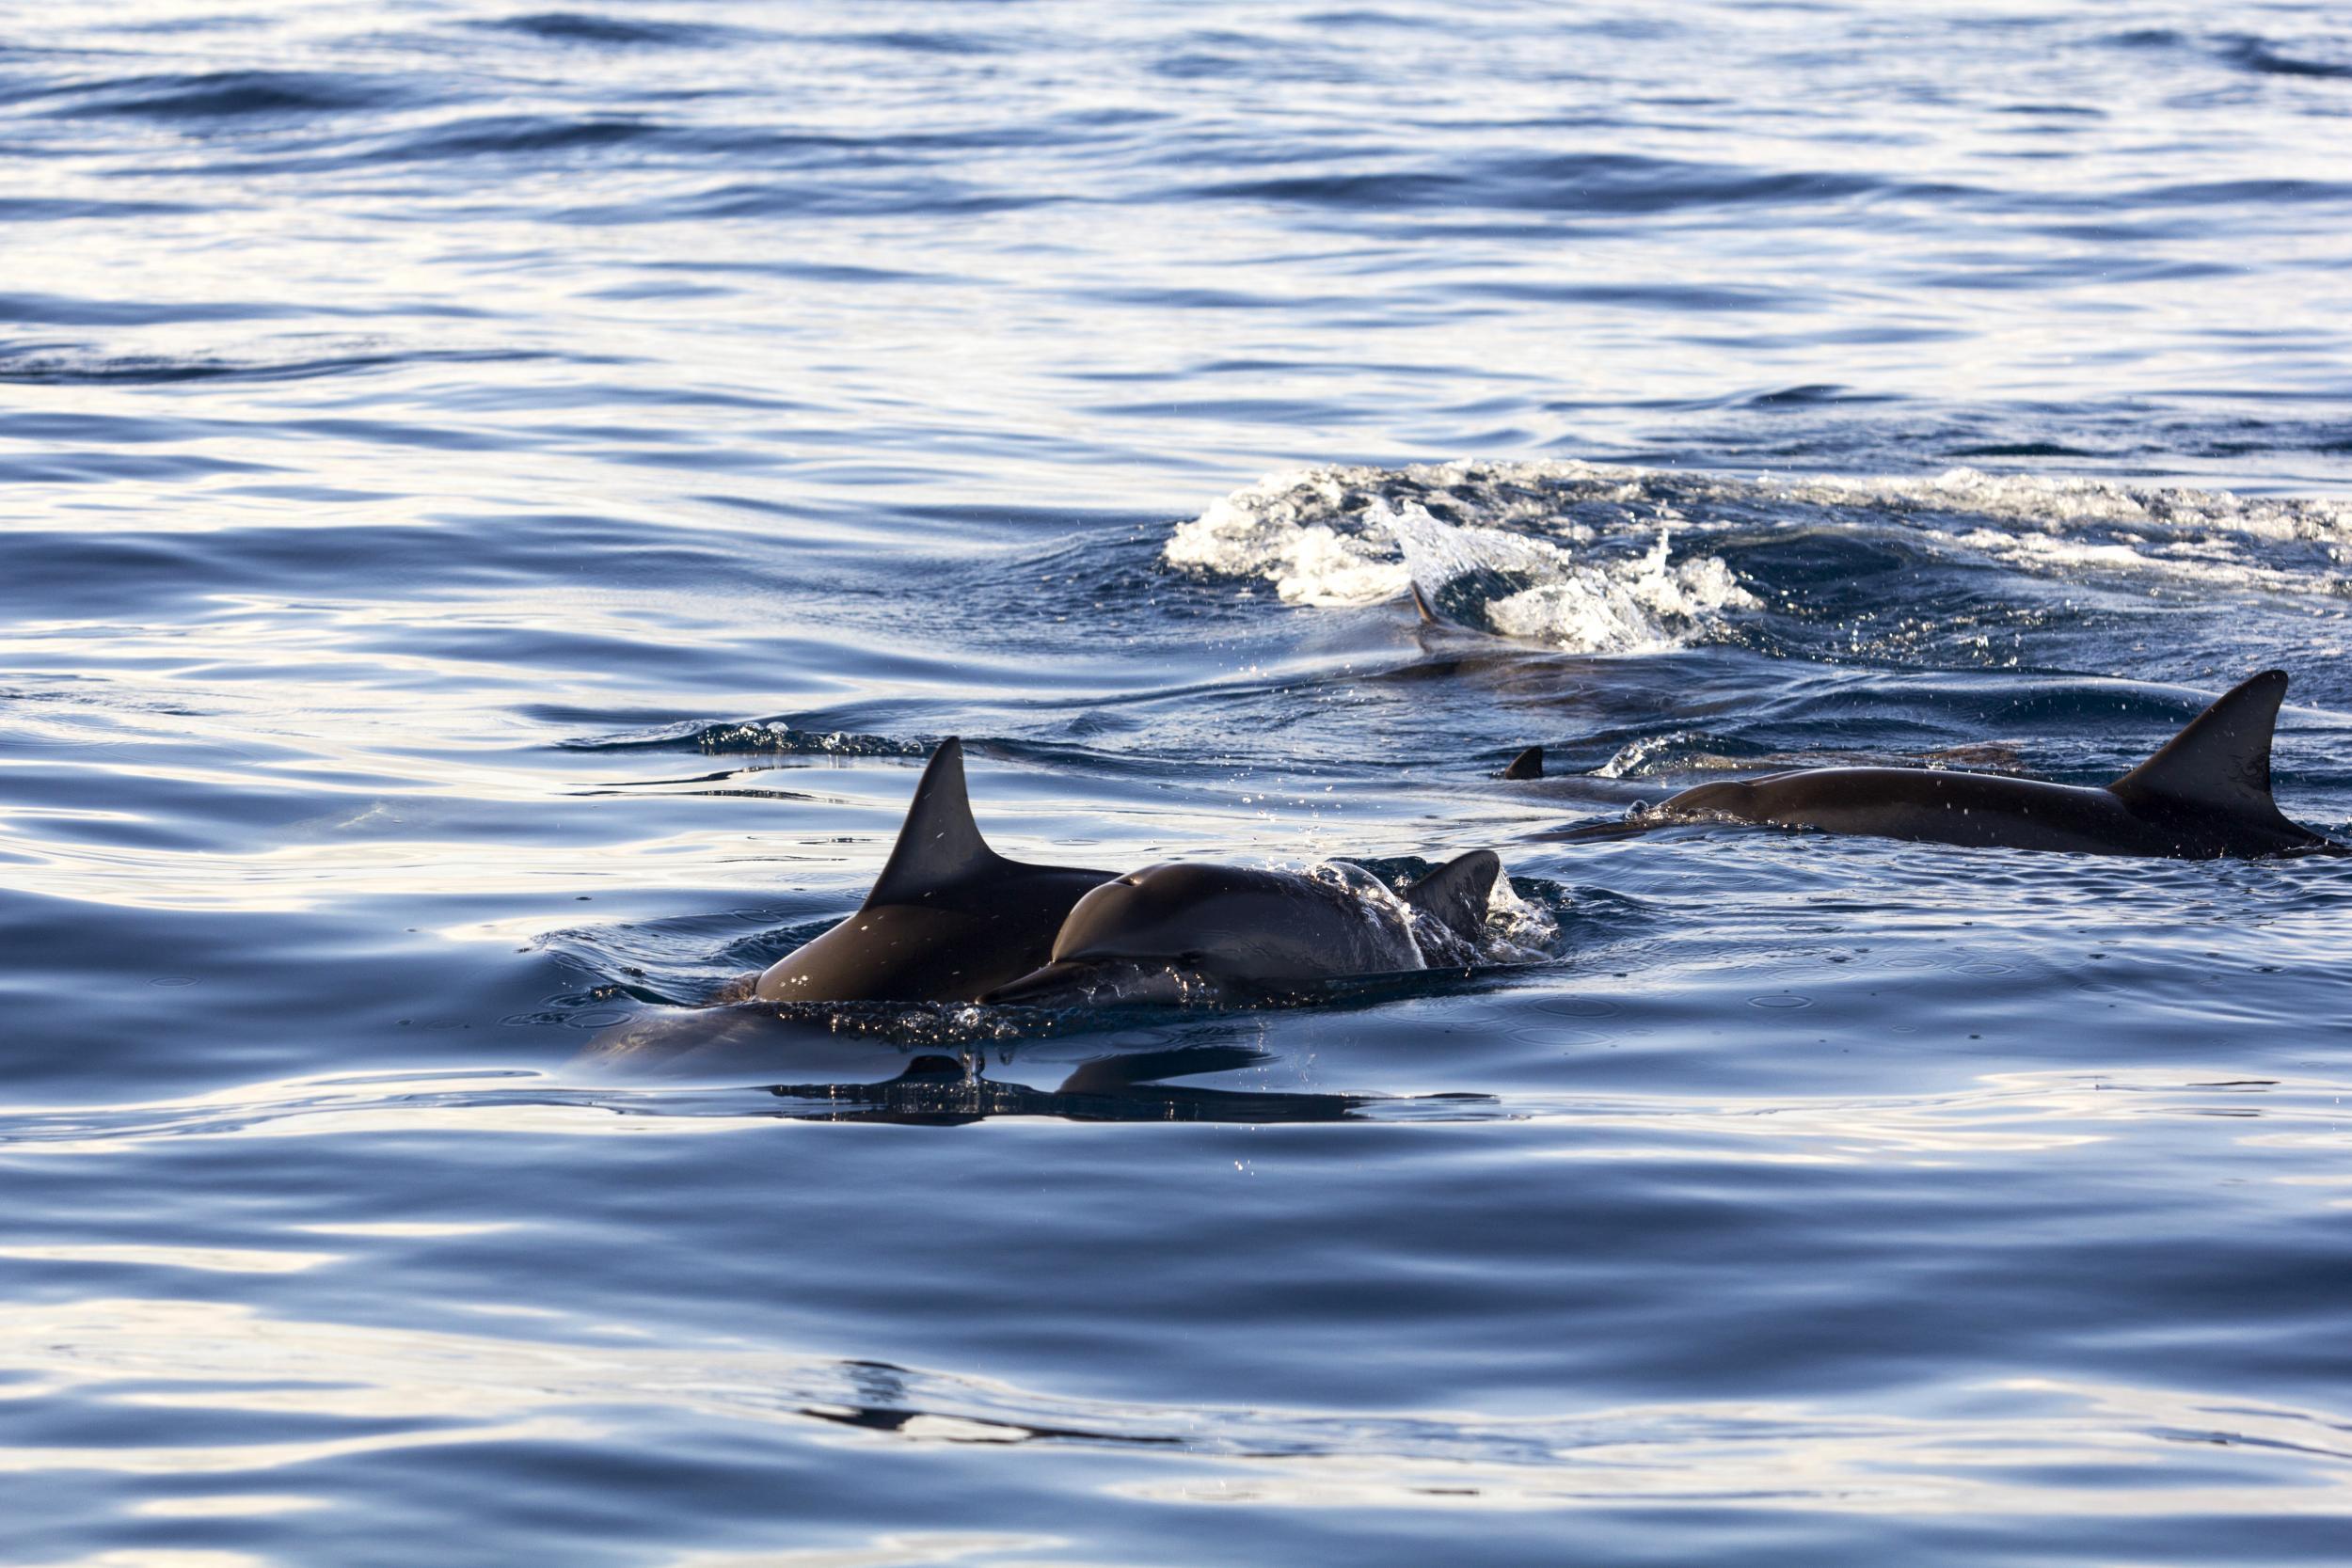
{"x": 939, "y": 842}
{"x": 1455, "y": 893}
{"x": 1527, "y": 765}
{"x": 2221, "y": 761}
{"x": 1421, "y": 605}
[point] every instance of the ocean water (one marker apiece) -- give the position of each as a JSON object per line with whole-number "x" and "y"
{"x": 498, "y": 501}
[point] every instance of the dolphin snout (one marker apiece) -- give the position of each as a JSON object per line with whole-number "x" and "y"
{"x": 1056, "y": 985}
{"x": 1081, "y": 982}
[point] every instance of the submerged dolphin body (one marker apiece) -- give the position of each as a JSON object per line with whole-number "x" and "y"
{"x": 2204, "y": 795}
{"x": 949, "y": 919}
{"x": 1225, "y": 934}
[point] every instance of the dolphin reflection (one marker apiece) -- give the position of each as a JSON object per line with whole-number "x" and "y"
{"x": 938, "y": 1091}
{"x": 941, "y": 1083}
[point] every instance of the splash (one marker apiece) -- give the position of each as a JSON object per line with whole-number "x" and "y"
{"x": 1487, "y": 545}
{"x": 760, "y": 737}
{"x": 1577, "y": 555}
{"x": 1491, "y": 580}
{"x": 1306, "y": 534}
{"x": 2065, "y": 503}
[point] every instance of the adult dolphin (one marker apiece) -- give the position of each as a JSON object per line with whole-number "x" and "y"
{"x": 949, "y": 919}
{"x": 2204, "y": 795}
{"x": 1227, "y": 935}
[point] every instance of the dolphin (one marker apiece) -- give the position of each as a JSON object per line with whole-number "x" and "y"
{"x": 2204, "y": 795}
{"x": 1226, "y": 935}
{"x": 949, "y": 919}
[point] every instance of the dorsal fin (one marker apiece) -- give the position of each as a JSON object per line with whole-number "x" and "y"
{"x": 1527, "y": 765}
{"x": 1455, "y": 893}
{"x": 1421, "y": 604}
{"x": 939, "y": 842}
{"x": 2221, "y": 761}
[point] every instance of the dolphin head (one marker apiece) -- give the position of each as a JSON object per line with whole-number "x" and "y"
{"x": 1167, "y": 933}
{"x": 1103, "y": 982}
{"x": 1224, "y": 934}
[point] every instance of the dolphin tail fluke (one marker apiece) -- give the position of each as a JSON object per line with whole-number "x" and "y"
{"x": 2221, "y": 761}
{"x": 1527, "y": 765}
{"x": 1456, "y": 893}
{"x": 939, "y": 842}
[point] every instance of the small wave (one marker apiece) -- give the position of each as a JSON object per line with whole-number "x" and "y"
{"x": 2211, "y": 562}
{"x": 1597, "y": 183}
{"x": 762, "y": 736}
{"x": 1305, "y": 533}
{"x": 222, "y": 94}
{"x": 498, "y": 135}
{"x": 924, "y": 41}
{"x": 2070, "y": 500}
{"x": 1665, "y": 754}
{"x": 2267, "y": 58}
{"x": 1690, "y": 751}
{"x": 877, "y": 197}
{"x": 1544, "y": 549}
{"x": 45, "y": 310}
{"x": 778, "y": 737}
{"x": 1345, "y": 536}
{"x": 609, "y": 31}
{"x": 1812, "y": 394}
{"x": 1325, "y": 535}
{"x": 1534, "y": 590}
{"x": 36, "y": 209}
{"x": 71, "y": 365}
{"x": 2249, "y": 51}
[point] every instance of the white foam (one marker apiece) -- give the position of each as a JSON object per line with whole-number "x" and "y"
{"x": 1634, "y": 760}
{"x": 1517, "y": 931}
{"x": 1637, "y": 606}
{"x": 2059, "y": 503}
{"x": 2212, "y": 562}
{"x": 1295, "y": 531}
{"x": 1346, "y": 535}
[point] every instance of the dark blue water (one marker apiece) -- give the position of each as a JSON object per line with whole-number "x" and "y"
{"x": 499, "y": 500}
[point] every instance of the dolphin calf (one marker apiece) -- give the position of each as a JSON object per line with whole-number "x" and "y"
{"x": 949, "y": 919}
{"x": 1224, "y": 934}
{"x": 2204, "y": 795}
